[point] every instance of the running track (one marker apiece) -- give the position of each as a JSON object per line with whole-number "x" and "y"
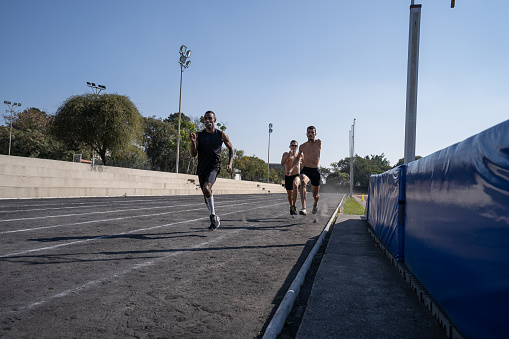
{"x": 125, "y": 267}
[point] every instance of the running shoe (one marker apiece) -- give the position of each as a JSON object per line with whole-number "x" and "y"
{"x": 214, "y": 222}
{"x": 315, "y": 209}
{"x": 294, "y": 209}
{"x": 291, "y": 210}
{"x": 303, "y": 211}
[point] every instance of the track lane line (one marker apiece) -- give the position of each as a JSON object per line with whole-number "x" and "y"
{"x": 133, "y": 268}
{"x": 101, "y": 212}
{"x": 122, "y": 233}
{"x": 120, "y": 218}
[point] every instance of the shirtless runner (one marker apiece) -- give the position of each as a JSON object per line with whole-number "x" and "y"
{"x": 292, "y": 179}
{"x": 309, "y": 153}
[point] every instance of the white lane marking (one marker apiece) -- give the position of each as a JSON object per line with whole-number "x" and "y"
{"x": 121, "y": 218}
{"x": 92, "y": 204}
{"x": 118, "y": 234}
{"x": 136, "y": 267}
{"x": 99, "y": 212}
{"x": 93, "y": 201}
{"x": 92, "y": 283}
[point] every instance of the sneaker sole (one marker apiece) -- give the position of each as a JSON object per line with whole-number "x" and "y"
{"x": 213, "y": 228}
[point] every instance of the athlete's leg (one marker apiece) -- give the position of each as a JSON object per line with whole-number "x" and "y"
{"x": 316, "y": 196}
{"x": 290, "y": 194}
{"x": 209, "y": 198}
{"x": 304, "y": 182}
{"x": 296, "y": 183}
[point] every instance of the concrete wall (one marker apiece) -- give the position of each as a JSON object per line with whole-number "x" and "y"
{"x": 38, "y": 178}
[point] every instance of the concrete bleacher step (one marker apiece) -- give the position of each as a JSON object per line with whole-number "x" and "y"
{"x": 35, "y": 178}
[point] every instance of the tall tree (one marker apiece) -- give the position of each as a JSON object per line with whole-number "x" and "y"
{"x": 362, "y": 168}
{"x": 159, "y": 141}
{"x": 103, "y": 122}
{"x": 31, "y": 137}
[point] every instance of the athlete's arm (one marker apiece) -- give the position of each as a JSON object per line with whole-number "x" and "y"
{"x": 229, "y": 145}
{"x": 285, "y": 157}
{"x": 194, "y": 144}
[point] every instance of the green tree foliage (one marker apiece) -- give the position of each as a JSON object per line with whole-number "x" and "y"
{"x": 277, "y": 174}
{"x": 160, "y": 144}
{"x": 187, "y": 164}
{"x": 338, "y": 179}
{"x": 251, "y": 167}
{"x": 132, "y": 156}
{"x": 363, "y": 168}
{"x": 31, "y": 137}
{"x": 102, "y": 122}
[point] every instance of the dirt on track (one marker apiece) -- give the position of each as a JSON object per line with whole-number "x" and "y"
{"x": 147, "y": 267}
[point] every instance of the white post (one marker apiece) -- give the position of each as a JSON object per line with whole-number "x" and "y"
{"x": 412, "y": 76}
{"x": 352, "y": 140}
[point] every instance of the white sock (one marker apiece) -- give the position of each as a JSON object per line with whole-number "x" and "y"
{"x": 210, "y": 202}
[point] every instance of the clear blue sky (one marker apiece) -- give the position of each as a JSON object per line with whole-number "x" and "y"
{"x": 290, "y": 63}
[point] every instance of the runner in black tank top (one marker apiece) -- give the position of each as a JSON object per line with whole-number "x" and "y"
{"x": 209, "y": 151}
{"x": 207, "y": 144}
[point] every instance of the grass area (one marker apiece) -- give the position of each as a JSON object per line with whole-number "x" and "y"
{"x": 352, "y": 207}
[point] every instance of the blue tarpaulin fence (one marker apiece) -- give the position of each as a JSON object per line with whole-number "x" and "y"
{"x": 447, "y": 217}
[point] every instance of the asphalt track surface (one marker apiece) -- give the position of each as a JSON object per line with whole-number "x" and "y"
{"x": 148, "y": 267}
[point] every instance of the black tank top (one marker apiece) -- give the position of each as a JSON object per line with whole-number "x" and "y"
{"x": 209, "y": 151}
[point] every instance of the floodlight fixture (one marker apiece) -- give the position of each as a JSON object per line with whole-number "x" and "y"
{"x": 7, "y": 102}
{"x": 183, "y": 49}
{"x": 188, "y": 63}
{"x": 188, "y": 54}
{"x": 96, "y": 88}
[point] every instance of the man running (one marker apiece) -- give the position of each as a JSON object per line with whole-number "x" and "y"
{"x": 292, "y": 180}
{"x": 207, "y": 144}
{"x": 309, "y": 153}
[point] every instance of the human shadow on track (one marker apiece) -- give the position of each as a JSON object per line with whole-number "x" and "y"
{"x": 148, "y": 236}
{"x": 123, "y": 255}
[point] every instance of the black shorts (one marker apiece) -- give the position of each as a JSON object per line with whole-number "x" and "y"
{"x": 208, "y": 177}
{"x": 313, "y": 174}
{"x": 289, "y": 181}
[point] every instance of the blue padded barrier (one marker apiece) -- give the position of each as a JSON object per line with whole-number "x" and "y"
{"x": 457, "y": 231}
{"x": 385, "y": 215}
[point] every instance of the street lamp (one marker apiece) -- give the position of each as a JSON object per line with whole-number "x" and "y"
{"x": 96, "y": 88}
{"x": 8, "y": 103}
{"x": 184, "y": 63}
{"x": 268, "y": 155}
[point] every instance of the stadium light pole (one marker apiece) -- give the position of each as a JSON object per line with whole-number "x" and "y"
{"x": 184, "y": 63}
{"x": 96, "y": 88}
{"x": 8, "y": 103}
{"x": 352, "y": 140}
{"x": 268, "y": 154}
